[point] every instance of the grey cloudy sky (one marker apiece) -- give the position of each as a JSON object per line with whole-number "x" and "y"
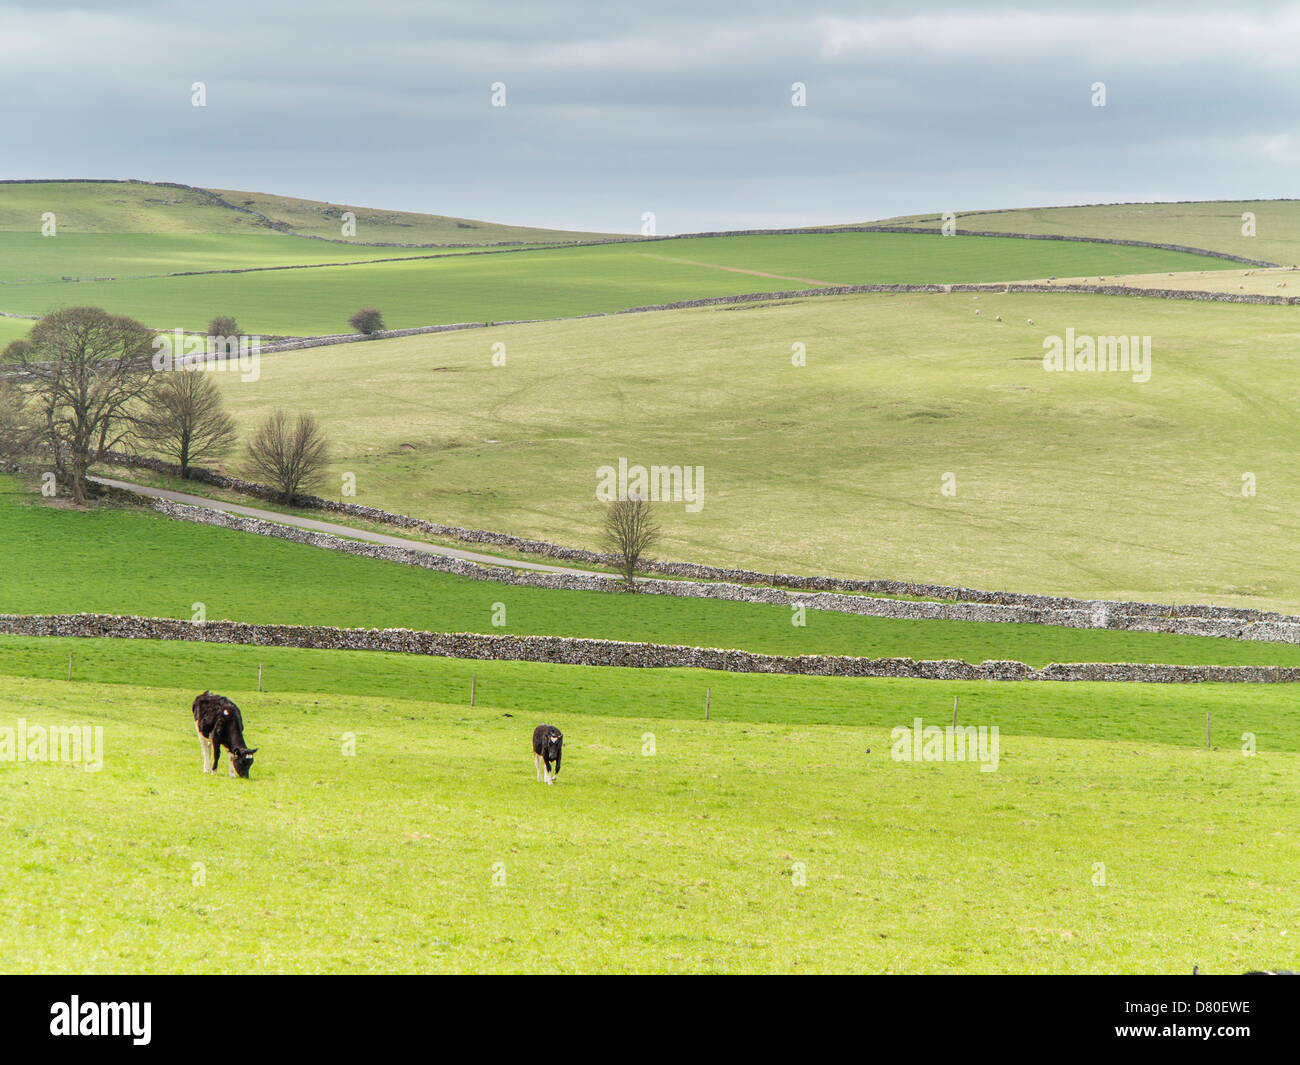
{"x": 683, "y": 109}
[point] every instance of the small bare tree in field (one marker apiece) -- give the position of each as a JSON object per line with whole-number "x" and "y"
{"x": 223, "y": 325}
{"x": 185, "y": 419}
{"x": 630, "y": 531}
{"x": 367, "y": 321}
{"x": 83, "y": 371}
{"x": 288, "y": 456}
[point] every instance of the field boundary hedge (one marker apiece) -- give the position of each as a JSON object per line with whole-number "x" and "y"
{"x": 567, "y": 650}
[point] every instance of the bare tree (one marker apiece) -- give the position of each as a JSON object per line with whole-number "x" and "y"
{"x": 367, "y": 321}
{"x": 185, "y": 419}
{"x": 17, "y": 433}
{"x": 223, "y": 325}
{"x": 83, "y": 369}
{"x": 289, "y": 457}
{"x": 630, "y": 531}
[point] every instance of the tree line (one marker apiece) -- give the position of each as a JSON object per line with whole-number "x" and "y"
{"x": 84, "y": 383}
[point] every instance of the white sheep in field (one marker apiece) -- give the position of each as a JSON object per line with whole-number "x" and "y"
{"x": 999, "y": 318}
{"x": 1030, "y": 320}
{"x": 977, "y": 310}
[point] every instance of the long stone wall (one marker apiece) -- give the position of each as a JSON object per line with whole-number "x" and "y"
{"x": 586, "y": 652}
{"x": 1154, "y": 612}
{"x": 1070, "y": 614}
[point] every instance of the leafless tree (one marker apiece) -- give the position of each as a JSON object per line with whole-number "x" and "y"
{"x": 184, "y": 419}
{"x": 367, "y": 321}
{"x": 17, "y": 433}
{"x": 630, "y": 531}
{"x": 223, "y": 325}
{"x": 287, "y": 456}
{"x": 82, "y": 369}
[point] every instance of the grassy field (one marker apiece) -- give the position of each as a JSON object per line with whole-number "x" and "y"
{"x": 30, "y": 258}
{"x": 740, "y": 845}
{"x": 314, "y": 218}
{"x": 1215, "y": 226}
{"x": 142, "y": 207}
{"x": 112, "y": 207}
{"x": 1071, "y": 483}
{"x": 1172, "y": 714}
{"x": 1248, "y": 280}
{"x": 13, "y": 329}
{"x": 560, "y": 282}
{"x": 116, "y": 561}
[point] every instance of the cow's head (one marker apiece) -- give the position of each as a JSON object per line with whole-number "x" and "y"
{"x": 553, "y": 741}
{"x": 242, "y": 757}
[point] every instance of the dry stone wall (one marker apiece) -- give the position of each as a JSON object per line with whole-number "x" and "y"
{"x": 1153, "y": 612}
{"x": 566, "y": 650}
{"x": 1067, "y": 613}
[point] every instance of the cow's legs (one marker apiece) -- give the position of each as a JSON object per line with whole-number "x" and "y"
{"x": 232, "y": 767}
{"x": 547, "y": 775}
{"x": 205, "y": 748}
{"x": 537, "y": 764}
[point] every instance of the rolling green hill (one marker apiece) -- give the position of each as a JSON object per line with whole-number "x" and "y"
{"x": 119, "y": 207}
{"x": 1214, "y": 225}
{"x": 560, "y": 282}
{"x": 1091, "y": 485}
{"x": 374, "y": 225}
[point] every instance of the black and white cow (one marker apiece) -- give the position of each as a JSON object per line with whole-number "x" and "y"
{"x": 548, "y": 743}
{"x": 219, "y": 724}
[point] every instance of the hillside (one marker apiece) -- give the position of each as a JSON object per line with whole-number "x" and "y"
{"x": 540, "y": 283}
{"x": 318, "y": 219}
{"x": 158, "y": 207}
{"x": 1091, "y": 485}
{"x": 1213, "y": 225}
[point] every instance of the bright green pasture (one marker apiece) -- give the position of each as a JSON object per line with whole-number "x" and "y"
{"x": 1147, "y": 713}
{"x": 29, "y": 257}
{"x": 124, "y": 561}
{"x": 737, "y": 846}
{"x": 560, "y": 282}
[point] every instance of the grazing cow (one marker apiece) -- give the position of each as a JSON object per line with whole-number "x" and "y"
{"x": 219, "y": 724}
{"x": 548, "y": 742}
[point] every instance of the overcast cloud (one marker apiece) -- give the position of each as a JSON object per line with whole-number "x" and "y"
{"x": 683, "y": 109}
